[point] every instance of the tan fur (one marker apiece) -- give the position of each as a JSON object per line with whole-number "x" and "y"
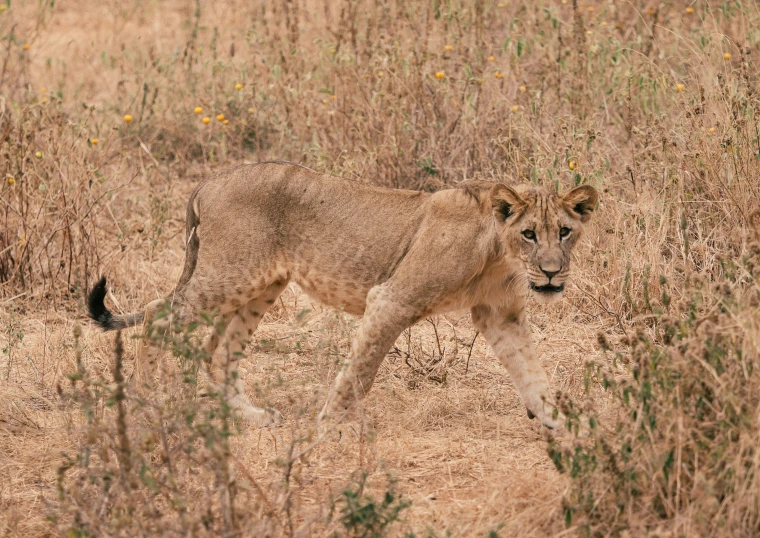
{"x": 392, "y": 256}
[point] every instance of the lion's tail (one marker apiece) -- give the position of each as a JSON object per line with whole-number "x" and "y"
{"x": 96, "y": 307}
{"x": 97, "y": 310}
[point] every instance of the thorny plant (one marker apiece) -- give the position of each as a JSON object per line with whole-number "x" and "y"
{"x": 428, "y": 362}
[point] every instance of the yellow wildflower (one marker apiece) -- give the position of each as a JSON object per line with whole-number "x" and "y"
{"x": 198, "y": 110}
{"x": 440, "y": 75}
{"x": 128, "y": 118}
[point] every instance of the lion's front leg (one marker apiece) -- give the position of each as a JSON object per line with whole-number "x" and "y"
{"x": 508, "y": 334}
{"x": 383, "y": 321}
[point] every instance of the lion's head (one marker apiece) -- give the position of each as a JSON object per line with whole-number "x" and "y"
{"x": 541, "y": 228}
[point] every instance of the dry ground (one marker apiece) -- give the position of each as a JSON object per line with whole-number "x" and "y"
{"x": 677, "y": 181}
{"x": 464, "y": 452}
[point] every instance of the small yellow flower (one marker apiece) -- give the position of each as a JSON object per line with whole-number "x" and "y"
{"x": 498, "y": 74}
{"x": 603, "y": 23}
{"x": 27, "y": 46}
{"x": 690, "y": 10}
{"x": 43, "y": 89}
{"x": 128, "y": 118}
{"x": 571, "y": 164}
{"x": 94, "y": 141}
{"x": 680, "y": 87}
{"x": 238, "y": 86}
{"x": 250, "y": 110}
{"x": 220, "y": 117}
{"x": 726, "y": 56}
{"x": 448, "y": 48}
{"x": 225, "y": 122}
{"x": 500, "y": 4}
{"x": 198, "y": 110}
{"x": 332, "y": 51}
{"x": 380, "y": 73}
{"x": 44, "y": 100}
{"x": 366, "y": 75}
{"x": 591, "y": 8}
{"x": 38, "y": 155}
{"x": 325, "y": 101}
{"x": 333, "y": 97}
{"x": 11, "y": 181}
{"x": 206, "y": 120}
{"x": 523, "y": 89}
{"x": 515, "y": 108}
{"x": 491, "y": 59}
{"x": 3, "y": 7}
{"x": 588, "y": 32}
{"x": 564, "y": 1}
{"x": 711, "y": 130}
{"x": 440, "y": 75}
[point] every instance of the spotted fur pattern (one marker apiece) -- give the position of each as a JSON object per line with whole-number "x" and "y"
{"x": 391, "y": 256}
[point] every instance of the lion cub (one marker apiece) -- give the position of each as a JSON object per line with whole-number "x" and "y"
{"x": 391, "y": 256}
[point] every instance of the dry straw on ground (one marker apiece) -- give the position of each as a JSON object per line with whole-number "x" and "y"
{"x": 101, "y": 142}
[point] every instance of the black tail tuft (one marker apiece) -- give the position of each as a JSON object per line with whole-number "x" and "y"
{"x": 96, "y": 307}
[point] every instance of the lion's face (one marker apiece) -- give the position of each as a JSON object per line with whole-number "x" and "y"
{"x": 541, "y": 229}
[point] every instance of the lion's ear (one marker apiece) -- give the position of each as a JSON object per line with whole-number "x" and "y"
{"x": 505, "y": 201}
{"x": 581, "y": 201}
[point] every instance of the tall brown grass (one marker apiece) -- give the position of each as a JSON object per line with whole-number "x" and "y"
{"x": 654, "y": 104}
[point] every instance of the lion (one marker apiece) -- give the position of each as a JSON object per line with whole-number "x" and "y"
{"x": 391, "y": 256}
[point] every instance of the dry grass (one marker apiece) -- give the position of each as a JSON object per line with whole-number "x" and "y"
{"x": 655, "y": 104}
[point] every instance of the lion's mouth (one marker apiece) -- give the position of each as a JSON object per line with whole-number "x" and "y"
{"x": 547, "y": 288}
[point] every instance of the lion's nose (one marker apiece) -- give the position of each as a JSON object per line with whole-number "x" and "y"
{"x": 549, "y": 274}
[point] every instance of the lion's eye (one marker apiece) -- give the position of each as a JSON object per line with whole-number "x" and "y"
{"x": 564, "y": 232}
{"x": 530, "y": 235}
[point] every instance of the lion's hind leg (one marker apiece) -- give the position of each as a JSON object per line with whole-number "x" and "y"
{"x": 162, "y": 316}
{"x": 231, "y": 345}
{"x": 152, "y": 343}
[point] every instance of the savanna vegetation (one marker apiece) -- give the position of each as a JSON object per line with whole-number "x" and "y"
{"x": 111, "y": 112}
